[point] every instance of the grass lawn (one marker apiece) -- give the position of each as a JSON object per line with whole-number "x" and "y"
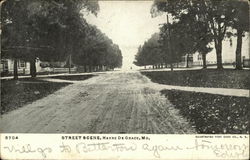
{"x": 227, "y": 78}
{"x": 73, "y": 77}
{"x": 15, "y": 94}
{"x": 211, "y": 113}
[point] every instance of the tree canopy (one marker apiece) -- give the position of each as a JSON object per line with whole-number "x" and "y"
{"x": 214, "y": 17}
{"x": 53, "y": 30}
{"x": 150, "y": 53}
{"x": 96, "y": 49}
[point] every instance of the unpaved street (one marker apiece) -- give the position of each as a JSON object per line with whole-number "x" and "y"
{"x": 108, "y": 103}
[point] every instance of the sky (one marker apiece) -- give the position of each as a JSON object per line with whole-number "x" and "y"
{"x": 128, "y": 24}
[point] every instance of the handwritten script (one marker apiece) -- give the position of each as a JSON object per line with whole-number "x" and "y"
{"x": 226, "y": 150}
{"x": 220, "y": 151}
{"x": 27, "y": 149}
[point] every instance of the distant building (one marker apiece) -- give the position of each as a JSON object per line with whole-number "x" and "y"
{"x": 228, "y": 53}
{"x": 7, "y": 66}
{"x": 23, "y": 67}
{"x": 185, "y": 60}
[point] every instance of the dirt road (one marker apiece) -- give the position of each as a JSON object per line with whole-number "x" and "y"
{"x": 108, "y": 103}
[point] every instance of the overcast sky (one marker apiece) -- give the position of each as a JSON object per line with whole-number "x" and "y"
{"x": 128, "y": 24}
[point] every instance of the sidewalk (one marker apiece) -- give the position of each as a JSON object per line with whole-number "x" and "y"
{"x": 220, "y": 91}
{"x": 169, "y": 69}
{"x": 186, "y": 69}
{"x": 59, "y": 74}
{"x": 59, "y": 80}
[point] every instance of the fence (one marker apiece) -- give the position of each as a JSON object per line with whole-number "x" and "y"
{"x": 57, "y": 70}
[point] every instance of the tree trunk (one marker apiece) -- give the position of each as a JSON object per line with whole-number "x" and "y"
{"x": 15, "y": 70}
{"x": 204, "y": 59}
{"x": 85, "y": 68}
{"x": 92, "y": 68}
{"x": 238, "y": 49}
{"x": 69, "y": 63}
{"x": 219, "y": 54}
{"x": 33, "y": 67}
{"x": 52, "y": 66}
{"x": 187, "y": 65}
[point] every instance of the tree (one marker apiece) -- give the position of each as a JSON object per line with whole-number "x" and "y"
{"x": 96, "y": 50}
{"x": 218, "y": 14}
{"x": 187, "y": 37}
{"x": 150, "y": 53}
{"x": 140, "y": 58}
{"x": 240, "y": 22}
{"x": 203, "y": 37}
{"x": 171, "y": 54}
{"x": 30, "y": 36}
{"x": 63, "y": 32}
{"x": 14, "y": 36}
{"x": 204, "y": 50}
{"x": 114, "y": 56}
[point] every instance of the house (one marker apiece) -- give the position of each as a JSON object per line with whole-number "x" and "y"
{"x": 186, "y": 60}
{"x": 228, "y": 53}
{"x": 23, "y": 67}
{"x": 7, "y": 66}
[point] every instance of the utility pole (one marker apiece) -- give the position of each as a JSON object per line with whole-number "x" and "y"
{"x": 169, "y": 45}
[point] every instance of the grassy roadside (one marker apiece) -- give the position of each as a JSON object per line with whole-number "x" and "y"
{"x": 15, "y": 94}
{"x": 227, "y": 78}
{"x": 211, "y": 113}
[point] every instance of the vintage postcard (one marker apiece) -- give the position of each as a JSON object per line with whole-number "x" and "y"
{"x": 124, "y": 79}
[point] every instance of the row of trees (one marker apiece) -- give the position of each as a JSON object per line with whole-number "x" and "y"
{"x": 97, "y": 50}
{"x": 196, "y": 25}
{"x": 150, "y": 53}
{"x": 53, "y": 30}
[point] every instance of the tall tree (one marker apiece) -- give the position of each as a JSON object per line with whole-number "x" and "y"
{"x": 29, "y": 24}
{"x": 14, "y": 35}
{"x": 218, "y": 14}
{"x": 174, "y": 53}
{"x": 96, "y": 50}
{"x": 240, "y": 23}
{"x": 150, "y": 53}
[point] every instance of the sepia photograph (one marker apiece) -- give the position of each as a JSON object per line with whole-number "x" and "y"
{"x": 154, "y": 67}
